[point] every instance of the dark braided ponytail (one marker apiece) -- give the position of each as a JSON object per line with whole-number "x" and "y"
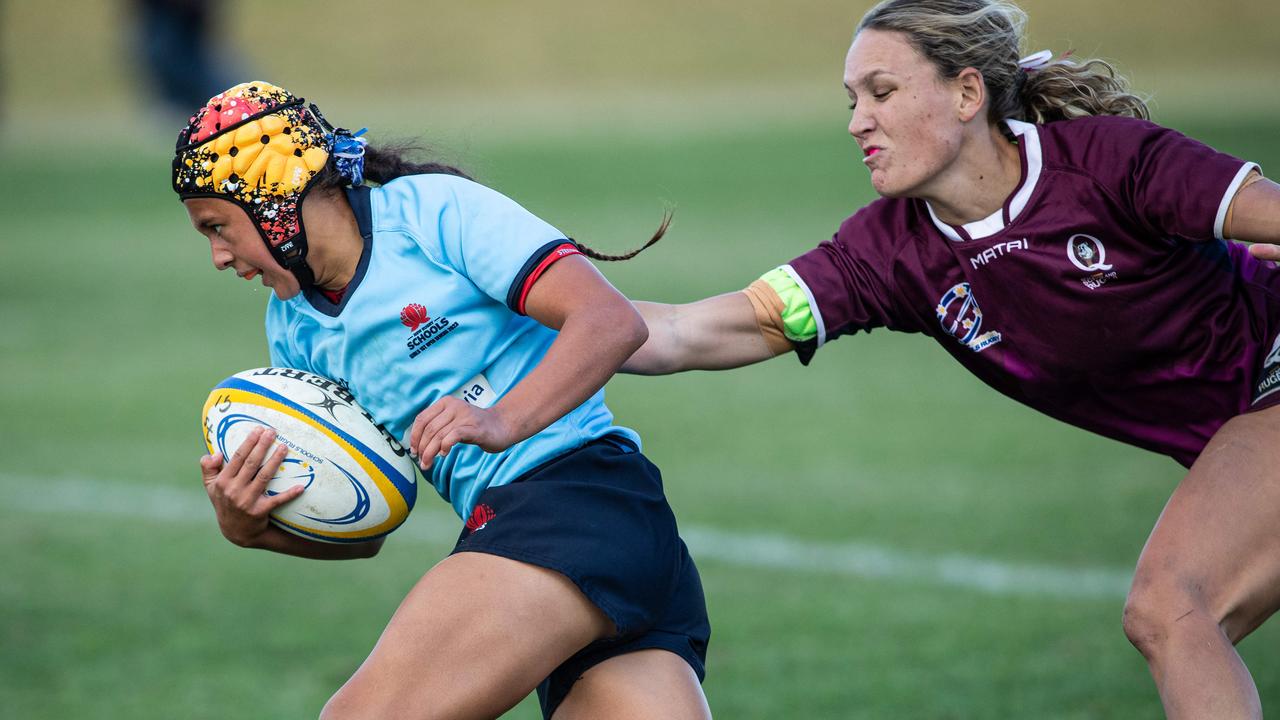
{"x": 597, "y": 255}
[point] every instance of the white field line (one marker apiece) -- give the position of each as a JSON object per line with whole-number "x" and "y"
{"x": 91, "y": 496}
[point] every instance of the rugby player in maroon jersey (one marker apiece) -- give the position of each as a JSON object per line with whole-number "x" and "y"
{"x": 1076, "y": 258}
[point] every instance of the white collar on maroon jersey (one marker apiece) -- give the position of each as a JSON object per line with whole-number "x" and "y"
{"x": 1029, "y": 151}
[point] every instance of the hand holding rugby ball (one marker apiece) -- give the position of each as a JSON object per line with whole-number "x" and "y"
{"x": 360, "y": 484}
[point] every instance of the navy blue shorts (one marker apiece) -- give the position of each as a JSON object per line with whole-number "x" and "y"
{"x": 598, "y": 515}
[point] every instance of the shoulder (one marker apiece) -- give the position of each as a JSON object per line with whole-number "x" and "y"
{"x": 439, "y": 197}
{"x": 882, "y": 227}
{"x": 1105, "y": 143}
{"x": 1100, "y": 127}
{"x": 867, "y": 244}
{"x": 432, "y": 190}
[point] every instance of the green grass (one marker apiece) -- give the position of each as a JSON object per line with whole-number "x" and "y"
{"x": 730, "y": 113}
{"x": 115, "y": 328}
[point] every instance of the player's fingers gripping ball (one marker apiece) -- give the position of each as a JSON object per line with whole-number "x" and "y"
{"x": 356, "y": 482}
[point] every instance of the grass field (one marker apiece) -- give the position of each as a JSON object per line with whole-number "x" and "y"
{"x": 960, "y": 514}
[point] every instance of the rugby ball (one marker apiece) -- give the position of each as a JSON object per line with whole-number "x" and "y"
{"x": 360, "y": 482}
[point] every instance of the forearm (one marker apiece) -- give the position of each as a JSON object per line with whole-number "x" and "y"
{"x": 662, "y": 353}
{"x": 588, "y": 350}
{"x": 277, "y": 540}
{"x": 717, "y": 333}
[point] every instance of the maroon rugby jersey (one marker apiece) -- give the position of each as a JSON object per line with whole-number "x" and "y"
{"x": 1102, "y": 293}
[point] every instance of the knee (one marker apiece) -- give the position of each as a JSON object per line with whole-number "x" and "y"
{"x": 1154, "y": 612}
{"x": 1142, "y": 622}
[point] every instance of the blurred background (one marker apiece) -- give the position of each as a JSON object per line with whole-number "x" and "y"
{"x": 879, "y": 534}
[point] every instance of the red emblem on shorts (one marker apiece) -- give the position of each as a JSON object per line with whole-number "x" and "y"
{"x": 413, "y": 315}
{"x": 480, "y": 517}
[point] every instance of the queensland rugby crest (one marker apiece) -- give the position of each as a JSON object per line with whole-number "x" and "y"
{"x": 959, "y": 314}
{"x": 1090, "y": 255}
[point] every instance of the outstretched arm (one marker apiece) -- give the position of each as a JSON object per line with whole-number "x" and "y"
{"x": 718, "y": 333}
{"x": 1255, "y": 217}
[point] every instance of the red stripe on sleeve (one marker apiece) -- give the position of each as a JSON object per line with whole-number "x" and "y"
{"x": 560, "y": 252}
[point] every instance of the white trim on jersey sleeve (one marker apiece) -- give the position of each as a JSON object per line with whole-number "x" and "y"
{"x": 1229, "y": 196}
{"x": 813, "y": 304}
{"x": 1029, "y": 136}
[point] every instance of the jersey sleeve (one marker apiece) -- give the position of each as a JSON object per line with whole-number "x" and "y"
{"x": 1177, "y": 186}
{"x": 500, "y": 246}
{"x": 846, "y": 281}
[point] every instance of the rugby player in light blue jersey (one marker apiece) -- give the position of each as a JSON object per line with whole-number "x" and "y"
{"x": 480, "y": 335}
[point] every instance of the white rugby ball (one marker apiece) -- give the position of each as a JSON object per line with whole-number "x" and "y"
{"x": 360, "y": 482}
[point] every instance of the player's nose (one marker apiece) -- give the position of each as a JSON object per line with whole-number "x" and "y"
{"x": 861, "y": 123}
{"x": 222, "y": 258}
{"x": 862, "y": 120}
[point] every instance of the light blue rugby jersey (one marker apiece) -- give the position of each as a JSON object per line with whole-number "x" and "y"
{"x": 430, "y": 312}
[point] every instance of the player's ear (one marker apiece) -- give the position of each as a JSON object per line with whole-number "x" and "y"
{"x": 971, "y": 93}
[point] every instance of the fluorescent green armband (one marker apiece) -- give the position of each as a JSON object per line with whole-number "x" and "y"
{"x": 797, "y": 317}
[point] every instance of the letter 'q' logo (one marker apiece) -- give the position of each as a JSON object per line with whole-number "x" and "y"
{"x": 1087, "y": 253}
{"x": 413, "y": 315}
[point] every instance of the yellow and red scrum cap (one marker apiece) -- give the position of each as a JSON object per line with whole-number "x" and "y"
{"x": 261, "y": 147}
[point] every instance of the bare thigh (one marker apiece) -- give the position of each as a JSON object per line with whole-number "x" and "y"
{"x": 1216, "y": 547}
{"x": 475, "y": 636}
{"x": 643, "y": 685}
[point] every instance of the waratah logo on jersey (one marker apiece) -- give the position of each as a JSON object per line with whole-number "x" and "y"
{"x": 424, "y": 330}
{"x": 1090, "y": 255}
{"x": 960, "y": 315}
{"x": 480, "y": 517}
{"x": 413, "y": 315}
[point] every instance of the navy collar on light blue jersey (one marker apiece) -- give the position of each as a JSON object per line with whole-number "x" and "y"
{"x": 362, "y": 207}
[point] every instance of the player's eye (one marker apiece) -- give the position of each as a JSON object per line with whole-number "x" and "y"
{"x": 877, "y": 96}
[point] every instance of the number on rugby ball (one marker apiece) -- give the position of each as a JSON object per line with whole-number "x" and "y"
{"x": 360, "y": 482}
